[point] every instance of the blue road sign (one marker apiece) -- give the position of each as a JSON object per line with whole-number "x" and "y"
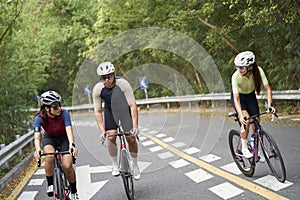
{"x": 143, "y": 82}
{"x": 87, "y": 90}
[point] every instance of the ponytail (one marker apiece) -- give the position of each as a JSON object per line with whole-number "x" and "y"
{"x": 43, "y": 113}
{"x": 257, "y": 78}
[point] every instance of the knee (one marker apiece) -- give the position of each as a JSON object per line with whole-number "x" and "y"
{"x": 131, "y": 140}
{"x": 67, "y": 167}
{"x": 49, "y": 159}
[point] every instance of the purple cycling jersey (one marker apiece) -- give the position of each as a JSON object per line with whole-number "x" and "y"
{"x": 56, "y": 126}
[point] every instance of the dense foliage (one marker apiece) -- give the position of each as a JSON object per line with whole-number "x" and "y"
{"x": 43, "y": 44}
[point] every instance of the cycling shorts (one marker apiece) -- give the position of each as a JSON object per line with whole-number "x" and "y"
{"x": 56, "y": 141}
{"x": 111, "y": 120}
{"x": 248, "y": 103}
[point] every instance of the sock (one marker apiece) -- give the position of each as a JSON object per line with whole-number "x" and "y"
{"x": 49, "y": 180}
{"x": 134, "y": 160}
{"x": 114, "y": 160}
{"x": 73, "y": 187}
{"x": 244, "y": 143}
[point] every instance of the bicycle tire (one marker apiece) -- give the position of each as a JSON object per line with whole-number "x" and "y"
{"x": 127, "y": 175}
{"x": 58, "y": 185}
{"x": 246, "y": 166}
{"x": 273, "y": 156}
{"x": 66, "y": 186}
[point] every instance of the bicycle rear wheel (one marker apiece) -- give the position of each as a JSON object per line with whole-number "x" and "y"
{"x": 246, "y": 166}
{"x": 127, "y": 175}
{"x": 273, "y": 156}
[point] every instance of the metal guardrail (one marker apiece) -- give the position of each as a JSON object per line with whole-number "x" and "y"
{"x": 8, "y": 151}
{"x": 15, "y": 147}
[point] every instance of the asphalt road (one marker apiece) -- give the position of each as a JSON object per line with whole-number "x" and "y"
{"x": 183, "y": 155}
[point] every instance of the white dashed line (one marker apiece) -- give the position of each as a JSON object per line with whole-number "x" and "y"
{"x": 179, "y": 163}
{"x": 210, "y": 158}
{"x": 272, "y": 183}
{"x": 226, "y": 190}
{"x": 199, "y": 175}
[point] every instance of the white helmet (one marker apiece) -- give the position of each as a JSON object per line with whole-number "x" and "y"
{"x": 49, "y": 97}
{"x": 105, "y": 68}
{"x": 244, "y": 59}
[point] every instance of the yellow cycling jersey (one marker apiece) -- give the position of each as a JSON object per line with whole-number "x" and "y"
{"x": 245, "y": 85}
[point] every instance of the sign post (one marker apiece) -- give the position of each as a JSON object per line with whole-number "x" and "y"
{"x": 144, "y": 86}
{"x": 87, "y": 91}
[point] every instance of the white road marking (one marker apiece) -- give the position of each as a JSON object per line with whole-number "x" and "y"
{"x": 178, "y": 144}
{"x": 165, "y": 155}
{"x": 156, "y": 148}
{"x": 179, "y": 163}
{"x": 152, "y": 132}
{"x": 161, "y": 135}
{"x": 147, "y": 143}
{"x": 226, "y": 190}
{"x": 232, "y": 168}
{"x": 36, "y": 181}
{"x": 272, "y": 183}
{"x": 199, "y": 175}
{"x": 169, "y": 139}
{"x": 191, "y": 150}
{"x": 210, "y": 158}
{"x": 28, "y": 195}
{"x": 39, "y": 172}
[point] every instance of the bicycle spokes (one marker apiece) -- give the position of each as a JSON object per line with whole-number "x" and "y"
{"x": 245, "y": 165}
{"x": 273, "y": 156}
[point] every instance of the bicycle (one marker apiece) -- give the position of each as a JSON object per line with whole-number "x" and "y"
{"x": 268, "y": 146}
{"x": 124, "y": 163}
{"x": 61, "y": 187}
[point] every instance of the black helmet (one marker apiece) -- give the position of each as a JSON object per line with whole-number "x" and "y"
{"x": 49, "y": 97}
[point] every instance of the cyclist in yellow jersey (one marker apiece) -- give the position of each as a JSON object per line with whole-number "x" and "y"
{"x": 247, "y": 79}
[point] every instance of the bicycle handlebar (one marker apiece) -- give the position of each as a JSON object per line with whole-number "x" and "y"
{"x": 124, "y": 133}
{"x": 55, "y": 153}
{"x": 234, "y": 114}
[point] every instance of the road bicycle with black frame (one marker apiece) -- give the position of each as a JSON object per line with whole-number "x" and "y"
{"x": 262, "y": 139}
{"x": 61, "y": 186}
{"x": 124, "y": 162}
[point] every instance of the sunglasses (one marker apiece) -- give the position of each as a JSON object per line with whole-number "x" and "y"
{"x": 56, "y": 106}
{"x": 240, "y": 67}
{"x": 107, "y": 76}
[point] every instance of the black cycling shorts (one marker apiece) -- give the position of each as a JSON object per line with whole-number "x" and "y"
{"x": 111, "y": 120}
{"x": 248, "y": 103}
{"x": 56, "y": 141}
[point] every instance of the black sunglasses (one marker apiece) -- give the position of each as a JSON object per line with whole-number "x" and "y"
{"x": 56, "y": 106}
{"x": 240, "y": 67}
{"x": 107, "y": 76}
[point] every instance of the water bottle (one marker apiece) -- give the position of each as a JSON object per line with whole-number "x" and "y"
{"x": 252, "y": 140}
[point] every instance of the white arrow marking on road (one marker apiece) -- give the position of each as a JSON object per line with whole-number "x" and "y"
{"x": 87, "y": 189}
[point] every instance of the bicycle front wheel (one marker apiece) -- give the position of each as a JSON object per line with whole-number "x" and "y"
{"x": 58, "y": 185}
{"x": 246, "y": 166}
{"x": 127, "y": 175}
{"x": 273, "y": 156}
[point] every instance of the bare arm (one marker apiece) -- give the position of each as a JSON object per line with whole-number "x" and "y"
{"x": 71, "y": 139}
{"x": 99, "y": 120}
{"x": 37, "y": 144}
{"x": 134, "y": 115}
{"x": 269, "y": 97}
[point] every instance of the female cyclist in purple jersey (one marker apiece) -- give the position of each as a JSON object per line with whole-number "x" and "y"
{"x": 56, "y": 124}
